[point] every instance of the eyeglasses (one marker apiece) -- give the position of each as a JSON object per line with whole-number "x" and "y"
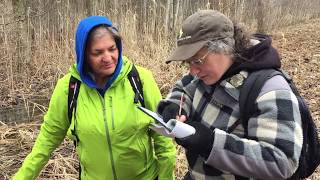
{"x": 198, "y": 61}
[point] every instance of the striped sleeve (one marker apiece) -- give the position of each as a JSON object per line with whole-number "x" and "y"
{"x": 275, "y": 142}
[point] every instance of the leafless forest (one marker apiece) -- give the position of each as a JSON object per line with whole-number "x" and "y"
{"x": 37, "y": 48}
{"x": 37, "y": 36}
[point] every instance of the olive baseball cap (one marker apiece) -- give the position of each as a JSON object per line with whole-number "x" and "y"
{"x": 197, "y": 30}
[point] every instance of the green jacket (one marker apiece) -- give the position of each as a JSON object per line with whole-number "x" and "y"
{"x": 115, "y": 142}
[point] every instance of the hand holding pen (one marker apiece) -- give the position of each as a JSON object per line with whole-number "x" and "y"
{"x": 181, "y": 117}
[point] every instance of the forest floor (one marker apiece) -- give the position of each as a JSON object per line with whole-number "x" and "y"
{"x": 299, "y": 46}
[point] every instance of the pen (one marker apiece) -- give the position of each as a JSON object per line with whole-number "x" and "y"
{"x": 181, "y": 103}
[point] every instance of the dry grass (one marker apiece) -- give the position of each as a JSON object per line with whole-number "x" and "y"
{"x": 16, "y": 142}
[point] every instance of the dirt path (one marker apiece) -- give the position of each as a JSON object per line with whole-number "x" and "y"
{"x": 299, "y": 47}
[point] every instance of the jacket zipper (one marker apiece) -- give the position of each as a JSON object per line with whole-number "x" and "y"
{"x": 112, "y": 114}
{"x": 108, "y": 136}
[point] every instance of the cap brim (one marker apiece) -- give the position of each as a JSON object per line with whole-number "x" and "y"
{"x": 185, "y": 51}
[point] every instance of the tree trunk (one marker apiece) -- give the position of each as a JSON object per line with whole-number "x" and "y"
{"x": 89, "y": 8}
{"x": 177, "y": 7}
{"x": 260, "y": 17}
{"x": 167, "y": 17}
{"x": 22, "y": 53}
{"x": 214, "y": 5}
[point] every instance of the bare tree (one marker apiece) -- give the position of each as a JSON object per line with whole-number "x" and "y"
{"x": 167, "y": 17}
{"x": 214, "y": 4}
{"x": 22, "y": 47}
{"x": 261, "y": 25}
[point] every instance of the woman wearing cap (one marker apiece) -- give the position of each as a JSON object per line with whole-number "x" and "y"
{"x": 114, "y": 141}
{"x": 220, "y": 56}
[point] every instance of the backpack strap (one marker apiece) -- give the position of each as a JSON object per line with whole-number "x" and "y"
{"x": 249, "y": 92}
{"x": 136, "y": 85}
{"x": 73, "y": 92}
{"x": 74, "y": 87}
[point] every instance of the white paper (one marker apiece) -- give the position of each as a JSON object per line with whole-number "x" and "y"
{"x": 179, "y": 129}
{"x": 155, "y": 116}
{"x": 161, "y": 130}
{"x": 173, "y": 128}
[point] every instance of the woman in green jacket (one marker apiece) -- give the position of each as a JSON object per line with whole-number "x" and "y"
{"x": 114, "y": 141}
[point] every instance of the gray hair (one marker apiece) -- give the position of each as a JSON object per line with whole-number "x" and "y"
{"x": 234, "y": 46}
{"x": 224, "y": 46}
{"x": 102, "y": 30}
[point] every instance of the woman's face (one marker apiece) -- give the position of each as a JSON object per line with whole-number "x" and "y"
{"x": 102, "y": 56}
{"x": 211, "y": 66}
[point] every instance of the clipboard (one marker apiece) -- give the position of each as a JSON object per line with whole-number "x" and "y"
{"x": 156, "y": 117}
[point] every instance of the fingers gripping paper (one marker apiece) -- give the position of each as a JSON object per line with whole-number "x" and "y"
{"x": 172, "y": 128}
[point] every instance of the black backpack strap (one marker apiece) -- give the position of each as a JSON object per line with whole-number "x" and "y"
{"x": 249, "y": 92}
{"x": 136, "y": 85}
{"x": 73, "y": 92}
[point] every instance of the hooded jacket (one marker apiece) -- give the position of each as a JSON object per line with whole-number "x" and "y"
{"x": 115, "y": 142}
{"x": 275, "y": 131}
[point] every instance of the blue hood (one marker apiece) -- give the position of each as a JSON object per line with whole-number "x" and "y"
{"x": 83, "y": 30}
